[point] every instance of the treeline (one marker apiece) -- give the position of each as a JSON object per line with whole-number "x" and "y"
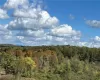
{"x": 51, "y": 62}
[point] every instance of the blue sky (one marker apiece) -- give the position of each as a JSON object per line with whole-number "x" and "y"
{"x": 80, "y": 10}
{"x": 50, "y": 22}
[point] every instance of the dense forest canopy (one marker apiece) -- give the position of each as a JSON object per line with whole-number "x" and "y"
{"x": 51, "y": 62}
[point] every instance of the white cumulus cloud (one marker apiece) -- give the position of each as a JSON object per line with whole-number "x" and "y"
{"x": 41, "y": 20}
{"x": 65, "y": 31}
{"x": 16, "y": 3}
{"x": 93, "y": 23}
{"x": 3, "y": 14}
{"x": 97, "y": 39}
{"x": 32, "y": 25}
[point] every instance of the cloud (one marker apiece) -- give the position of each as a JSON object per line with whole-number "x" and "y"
{"x": 5, "y": 34}
{"x": 42, "y": 20}
{"x": 93, "y": 23}
{"x": 64, "y": 35}
{"x": 16, "y": 3}
{"x": 4, "y": 30}
{"x": 32, "y": 25}
{"x": 96, "y": 39}
{"x": 92, "y": 42}
{"x": 31, "y": 33}
{"x": 32, "y": 18}
{"x": 28, "y": 13}
{"x": 65, "y": 31}
{"x": 71, "y": 17}
{"x": 3, "y": 14}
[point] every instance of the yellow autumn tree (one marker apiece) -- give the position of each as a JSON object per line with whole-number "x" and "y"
{"x": 29, "y": 62}
{"x": 29, "y": 66}
{"x": 25, "y": 66}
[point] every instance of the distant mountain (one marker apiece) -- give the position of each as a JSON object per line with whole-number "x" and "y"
{"x": 7, "y": 45}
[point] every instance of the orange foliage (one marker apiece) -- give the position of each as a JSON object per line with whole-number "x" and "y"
{"x": 18, "y": 53}
{"x": 29, "y": 53}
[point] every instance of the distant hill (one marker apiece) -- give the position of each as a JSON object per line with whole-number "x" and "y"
{"x": 3, "y": 45}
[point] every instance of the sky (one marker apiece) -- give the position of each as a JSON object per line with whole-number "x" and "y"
{"x": 50, "y": 22}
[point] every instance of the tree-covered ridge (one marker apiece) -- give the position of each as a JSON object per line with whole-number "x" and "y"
{"x": 51, "y": 62}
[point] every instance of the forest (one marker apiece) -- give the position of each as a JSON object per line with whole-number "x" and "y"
{"x": 61, "y": 62}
